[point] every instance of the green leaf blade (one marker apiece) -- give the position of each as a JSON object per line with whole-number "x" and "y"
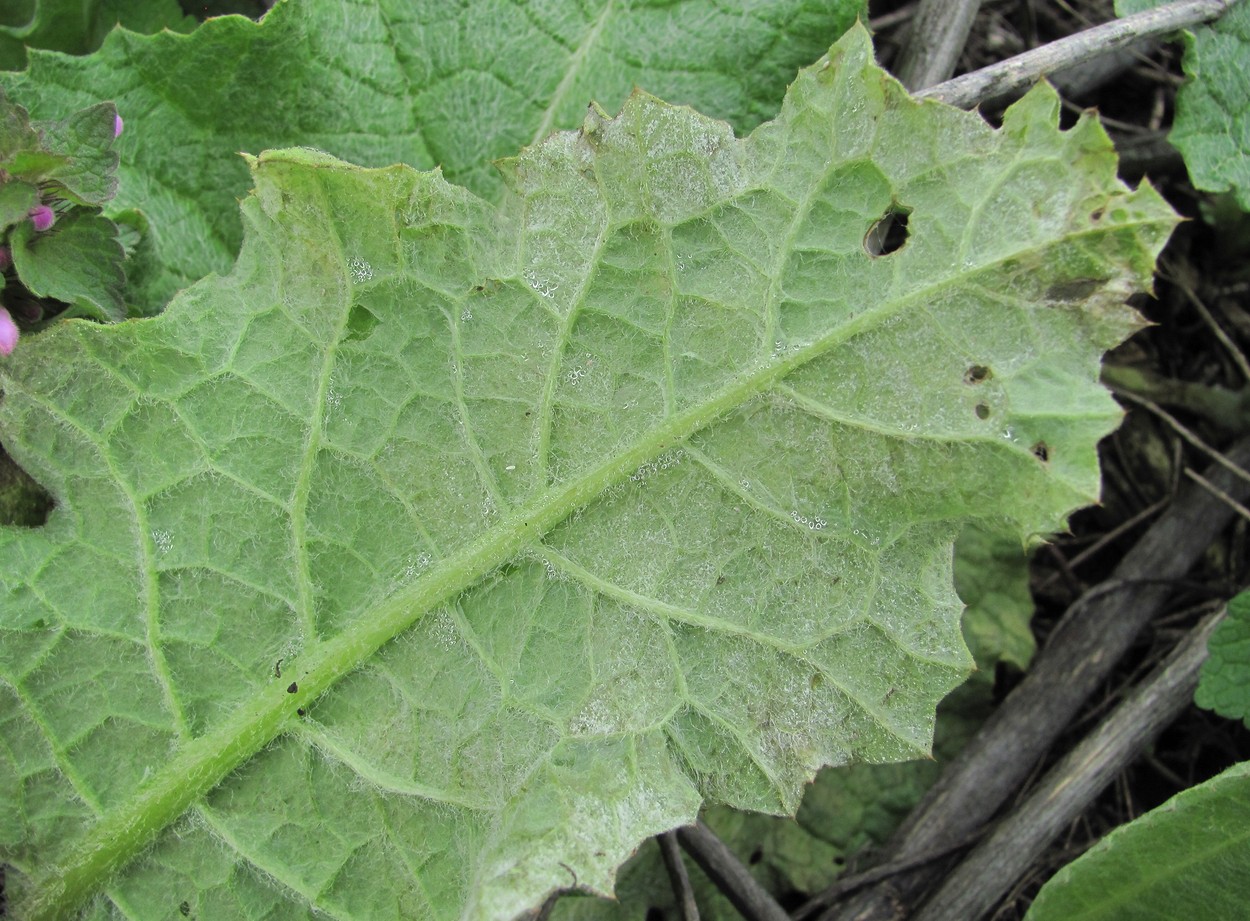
{"x": 78, "y": 261}
{"x": 1225, "y": 677}
{"x": 555, "y": 519}
{"x": 401, "y": 92}
{"x": 1189, "y": 857}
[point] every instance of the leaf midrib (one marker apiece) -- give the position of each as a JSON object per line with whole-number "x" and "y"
{"x": 571, "y": 72}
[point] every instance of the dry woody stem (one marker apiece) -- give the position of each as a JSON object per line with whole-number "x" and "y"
{"x": 1021, "y": 72}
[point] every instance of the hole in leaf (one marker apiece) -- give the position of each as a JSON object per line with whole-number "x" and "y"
{"x": 1096, "y": 215}
{"x": 184, "y": 909}
{"x": 361, "y": 322}
{"x": 889, "y": 233}
{"x": 1041, "y": 452}
{"x": 983, "y": 410}
{"x": 23, "y": 502}
{"x": 756, "y": 856}
{"x": 292, "y": 688}
{"x": 300, "y": 711}
{"x": 654, "y": 914}
{"x": 977, "y": 374}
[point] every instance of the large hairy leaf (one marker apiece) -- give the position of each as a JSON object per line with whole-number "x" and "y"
{"x": 78, "y": 26}
{"x": 422, "y": 82}
{"x": 443, "y": 552}
{"x": 850, "y": 808}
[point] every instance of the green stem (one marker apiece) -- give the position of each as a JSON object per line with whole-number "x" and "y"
{"x": 1229, "y": 409}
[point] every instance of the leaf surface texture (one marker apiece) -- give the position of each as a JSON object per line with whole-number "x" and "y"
{"x": 422, "y": 82}
{"x": 444, "y": 550}
{"x": 1188, "y": 858}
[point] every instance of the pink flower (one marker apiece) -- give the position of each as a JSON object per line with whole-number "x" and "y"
{"x": 42, "y": 217}
{"x": 118, "y": 124}
{"x": 8, "y": 332}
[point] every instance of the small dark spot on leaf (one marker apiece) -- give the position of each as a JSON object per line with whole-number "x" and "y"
{"x": 655, "y": 914}
{"x": 982, "y": 410}
{"x": 889, "y": 233}
{"x": 185, "y": 908}
{"x": 292, "y": 688}
{"x": 277, "y": 669}
{"x": 977, "y": 374}
{"x": 528, "y": 414}
{"x": 300, "y": 711}
{"x": 1096, "y": 214}
{"x": 1041, "y": 452}
{"x": 756, "y": 856}
{"x": 817, "y": 680}
{"x": 1075, "y": 290}
{"x": 720, "y": 580}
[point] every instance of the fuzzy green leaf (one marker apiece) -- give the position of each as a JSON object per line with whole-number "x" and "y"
{"x": 16, "y": 200}
{"x": 16, "y": 133}
{"x": 71, "y": 159}
{"x": 79, "y": 262}
{"x": 1224, "y": 683}
{"x": 1212, "y": 124}
{"x": 1190, "y": 858}
{"x": 78, "y": 26}
{"x": 441, "y": 549}
{"x": 88, "y": 175}
{"x": 992, "y": 579}
{"x": 422, "y": 82}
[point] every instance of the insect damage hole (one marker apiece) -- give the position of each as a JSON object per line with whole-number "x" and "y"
{"x": 977, "y": 374}
{"x": 1041, "y": 451}
{"x": 889, "y": 233}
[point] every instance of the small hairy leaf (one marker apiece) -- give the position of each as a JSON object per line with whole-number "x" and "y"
{"x": 422, "y": 82}
{"x": 79, "y": 262}
{"x": 442, "y": 551}
{"x": 1224, "y": 682}
{"x": 1190, "y": 858}
{"x": 992, "y": 579}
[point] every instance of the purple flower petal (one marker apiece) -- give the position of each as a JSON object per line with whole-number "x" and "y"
{"x": 118, "y": 124}
{"x": 42, "y": 217}
{"x": 8, "y": 332}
